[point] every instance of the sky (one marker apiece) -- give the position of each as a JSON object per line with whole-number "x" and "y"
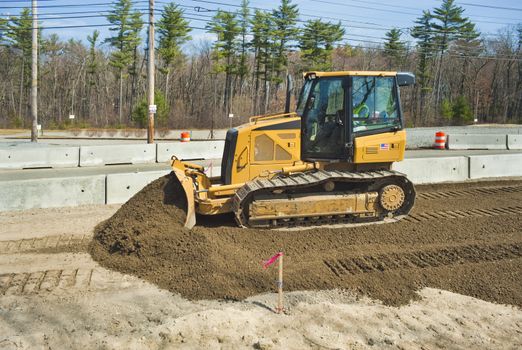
{"x": 365, "y": 21}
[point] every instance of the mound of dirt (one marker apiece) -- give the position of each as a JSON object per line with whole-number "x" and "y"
{"x": 479, "y": 255}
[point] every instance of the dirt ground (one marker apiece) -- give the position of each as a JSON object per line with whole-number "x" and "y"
{"x": 448, "y": 277}
{"x": 444, "y": 237}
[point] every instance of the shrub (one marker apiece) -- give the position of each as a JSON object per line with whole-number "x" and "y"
{"x": 140, "y": 114}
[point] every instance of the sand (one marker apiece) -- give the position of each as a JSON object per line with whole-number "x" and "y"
{"x": 53, "y": 295}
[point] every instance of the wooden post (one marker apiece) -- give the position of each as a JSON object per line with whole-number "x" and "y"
{"x": 280, "y": 307}
{"x": 150, "y": 74}
{"x": 34, "y": 74}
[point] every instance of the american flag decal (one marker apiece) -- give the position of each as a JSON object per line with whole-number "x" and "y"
{"x": 385, "y": 147}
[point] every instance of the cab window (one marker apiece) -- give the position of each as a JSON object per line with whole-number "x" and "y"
{"x": 374, "y": 103}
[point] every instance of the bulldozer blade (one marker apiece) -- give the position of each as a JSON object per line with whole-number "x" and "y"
{"x": 188, "y": 188}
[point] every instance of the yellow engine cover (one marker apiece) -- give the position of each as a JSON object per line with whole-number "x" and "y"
{"x": 380, "y": 148}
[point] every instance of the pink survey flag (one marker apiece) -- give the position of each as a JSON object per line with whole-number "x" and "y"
{"x": 272, "y": 260}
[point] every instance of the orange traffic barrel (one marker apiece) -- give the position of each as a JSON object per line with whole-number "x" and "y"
{"x": 440, "y": 140}
{"x": 185, "y": 136}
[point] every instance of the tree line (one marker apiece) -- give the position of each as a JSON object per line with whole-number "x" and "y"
{"x": 461, "y": 73}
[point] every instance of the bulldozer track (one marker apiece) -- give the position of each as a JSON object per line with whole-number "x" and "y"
{"x": 245, "y": 194}
{"x": 424, "y": 259}
{"x": 470, "y": 192}
{"x": 48, "y": 242}
{"x": 458, "y": 214}
{"x": 44, "y": 281}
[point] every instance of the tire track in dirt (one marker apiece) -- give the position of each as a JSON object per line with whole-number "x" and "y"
{"x": 429, "y": 258}
{"x": 45, "y": 281}
{"x": 71, "y": 280}
{"x": 48, "y": 243}
{"x": 459, "y": 214}
{"x": 469, "y": 192}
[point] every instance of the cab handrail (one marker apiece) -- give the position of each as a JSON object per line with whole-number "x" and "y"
{"x": 257, "y": 118}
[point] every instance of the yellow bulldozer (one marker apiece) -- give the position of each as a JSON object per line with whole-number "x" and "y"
{"x": 329, "y": 162}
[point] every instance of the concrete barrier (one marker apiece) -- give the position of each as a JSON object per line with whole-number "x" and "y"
{"x": 456, "y": 141}
{"x": 121, "y": 187}
{"x": 432, "y": 170}
{"x": 52, "y": 192}
{"x": 514, "y": 141}
{"x": 38, "y": 157}
{"x": 189, "y": 150}
{"x": 141, "y": 134}
{"x": 498, "y": 165}
{"x": 117, "y": 154}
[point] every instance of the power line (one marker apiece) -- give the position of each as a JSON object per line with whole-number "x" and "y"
{"x": 17, "y": 1}
{"x": 99, "y": 15}
{"x": 103, "y": 13}
{"x": 380, "y": 27}
{"x": 348, "y": 21}
{"x": 492, "y": 7}
{"x": 365, "y": 7}
{"x": 393, "y": 11}
{"x": 412, "y": 8}
{"x": 70, "y": 5}
{"x": 382, "y": 4}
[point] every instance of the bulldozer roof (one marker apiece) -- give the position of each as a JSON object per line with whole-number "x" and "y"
{"x": 351, "y": 72}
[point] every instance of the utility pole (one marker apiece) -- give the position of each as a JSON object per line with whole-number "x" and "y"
{"x": 34, "y": 75}
{"x": 150, "y": 74}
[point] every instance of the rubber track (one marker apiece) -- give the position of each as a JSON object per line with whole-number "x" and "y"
{"x": 458, "y": 214}
{"x": 44, "y": 281}
{"x": 424, "y": 259}
{"x": 302, "y": 180}
{"x": 48, "y": 242}
{"x": 470, "y": 192}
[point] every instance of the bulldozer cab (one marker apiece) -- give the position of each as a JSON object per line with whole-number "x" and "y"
{"x": 336, "y": 108}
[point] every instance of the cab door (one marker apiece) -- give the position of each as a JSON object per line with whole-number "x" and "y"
{"x": 376, "y": 120}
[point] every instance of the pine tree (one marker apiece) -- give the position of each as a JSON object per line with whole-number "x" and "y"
{"x": 448, "y": 26}
{"x": 262, "y": 45}
{"x": 19, "y": 36}
{"x": 92, "y": 65}
{"x": 136, "y": 25}
{"x": 394, "y": 48}
{"x": 173, "y": 31}
{"x": 225, "y": 26}
{"x": 285, "y": 30}
{"x": 461, "y": 111}
{"x": 244, "y": 24}
{"x": 122, "y": 42}
{"x": 424, "y": 35}
{"x": 317, "y": 43}
{"x": 425, "y": 52}
{"x": 3, "y": 29}
{"x": 92, "y": 70}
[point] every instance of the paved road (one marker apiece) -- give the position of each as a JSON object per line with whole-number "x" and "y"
{"x": 27, "y": 174}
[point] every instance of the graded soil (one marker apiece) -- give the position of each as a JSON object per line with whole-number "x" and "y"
{"x": 466, "y": 238}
